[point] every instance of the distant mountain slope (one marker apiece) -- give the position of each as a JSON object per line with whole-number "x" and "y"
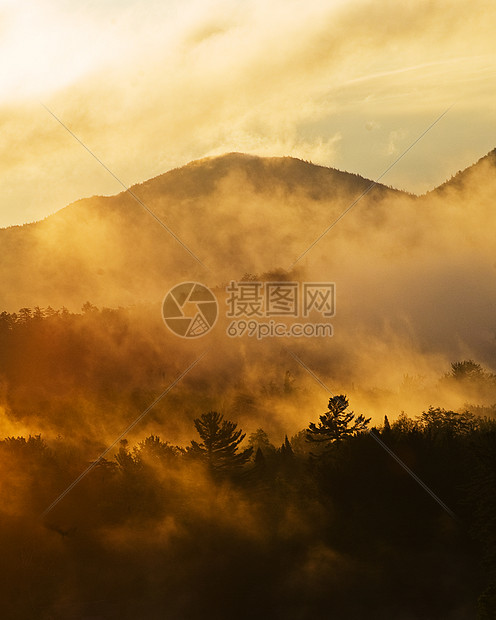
{"x": 473, "y": 172}
{"x": 415, "y": 278}
{"x": 236, "y": 213}
{"x": 201, "y": 177}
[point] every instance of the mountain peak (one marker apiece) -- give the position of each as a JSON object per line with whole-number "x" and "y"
{"x": 203, "y": 176}
{"x": 463, "y": 176}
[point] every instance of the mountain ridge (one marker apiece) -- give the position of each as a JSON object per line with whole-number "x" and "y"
{"x": 236, "y": 213}
{"x": 459, "y": 178}
{"x": 221, "y": 165}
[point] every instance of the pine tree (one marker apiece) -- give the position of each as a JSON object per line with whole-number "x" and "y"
{"x": 260, "y": 440}
{"x": 220, "y": 443}
{"x": 286, "y": 450}
{"x": 259, "y": 459}
{"x": 337, "y": 423}
{"x": 387, "y": 427}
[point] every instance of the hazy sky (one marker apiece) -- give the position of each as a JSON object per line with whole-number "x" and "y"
{"x": 151, "y": 85}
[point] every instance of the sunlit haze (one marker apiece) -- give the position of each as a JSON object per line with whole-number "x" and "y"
{"x": 148, "y": 86}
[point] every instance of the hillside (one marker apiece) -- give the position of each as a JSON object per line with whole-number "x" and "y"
{"x": 414, "y": 276}
{"x": 415, "y": 297}
{"x": 473, "y": 173}
{"x": 236, "y": 213}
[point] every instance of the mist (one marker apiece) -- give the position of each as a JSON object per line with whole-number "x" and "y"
{"x": 85, "y": 351}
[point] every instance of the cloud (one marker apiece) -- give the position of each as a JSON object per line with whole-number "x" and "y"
{"x": 395, "y": 137}
{"x": 151, "y": 90}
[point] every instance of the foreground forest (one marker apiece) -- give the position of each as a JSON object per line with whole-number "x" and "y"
{"x": 326, "y": 523}
{"x": 226, "y": 528}
{"x": 247, "y": 310}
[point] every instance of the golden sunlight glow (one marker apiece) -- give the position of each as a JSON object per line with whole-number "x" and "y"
{"x": 149, "y": 87}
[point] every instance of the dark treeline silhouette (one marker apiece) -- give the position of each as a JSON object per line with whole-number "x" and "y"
{"x": 226, "y": 528}
{"x": 103, "y": 363}
{"x": 325, "y": 524}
